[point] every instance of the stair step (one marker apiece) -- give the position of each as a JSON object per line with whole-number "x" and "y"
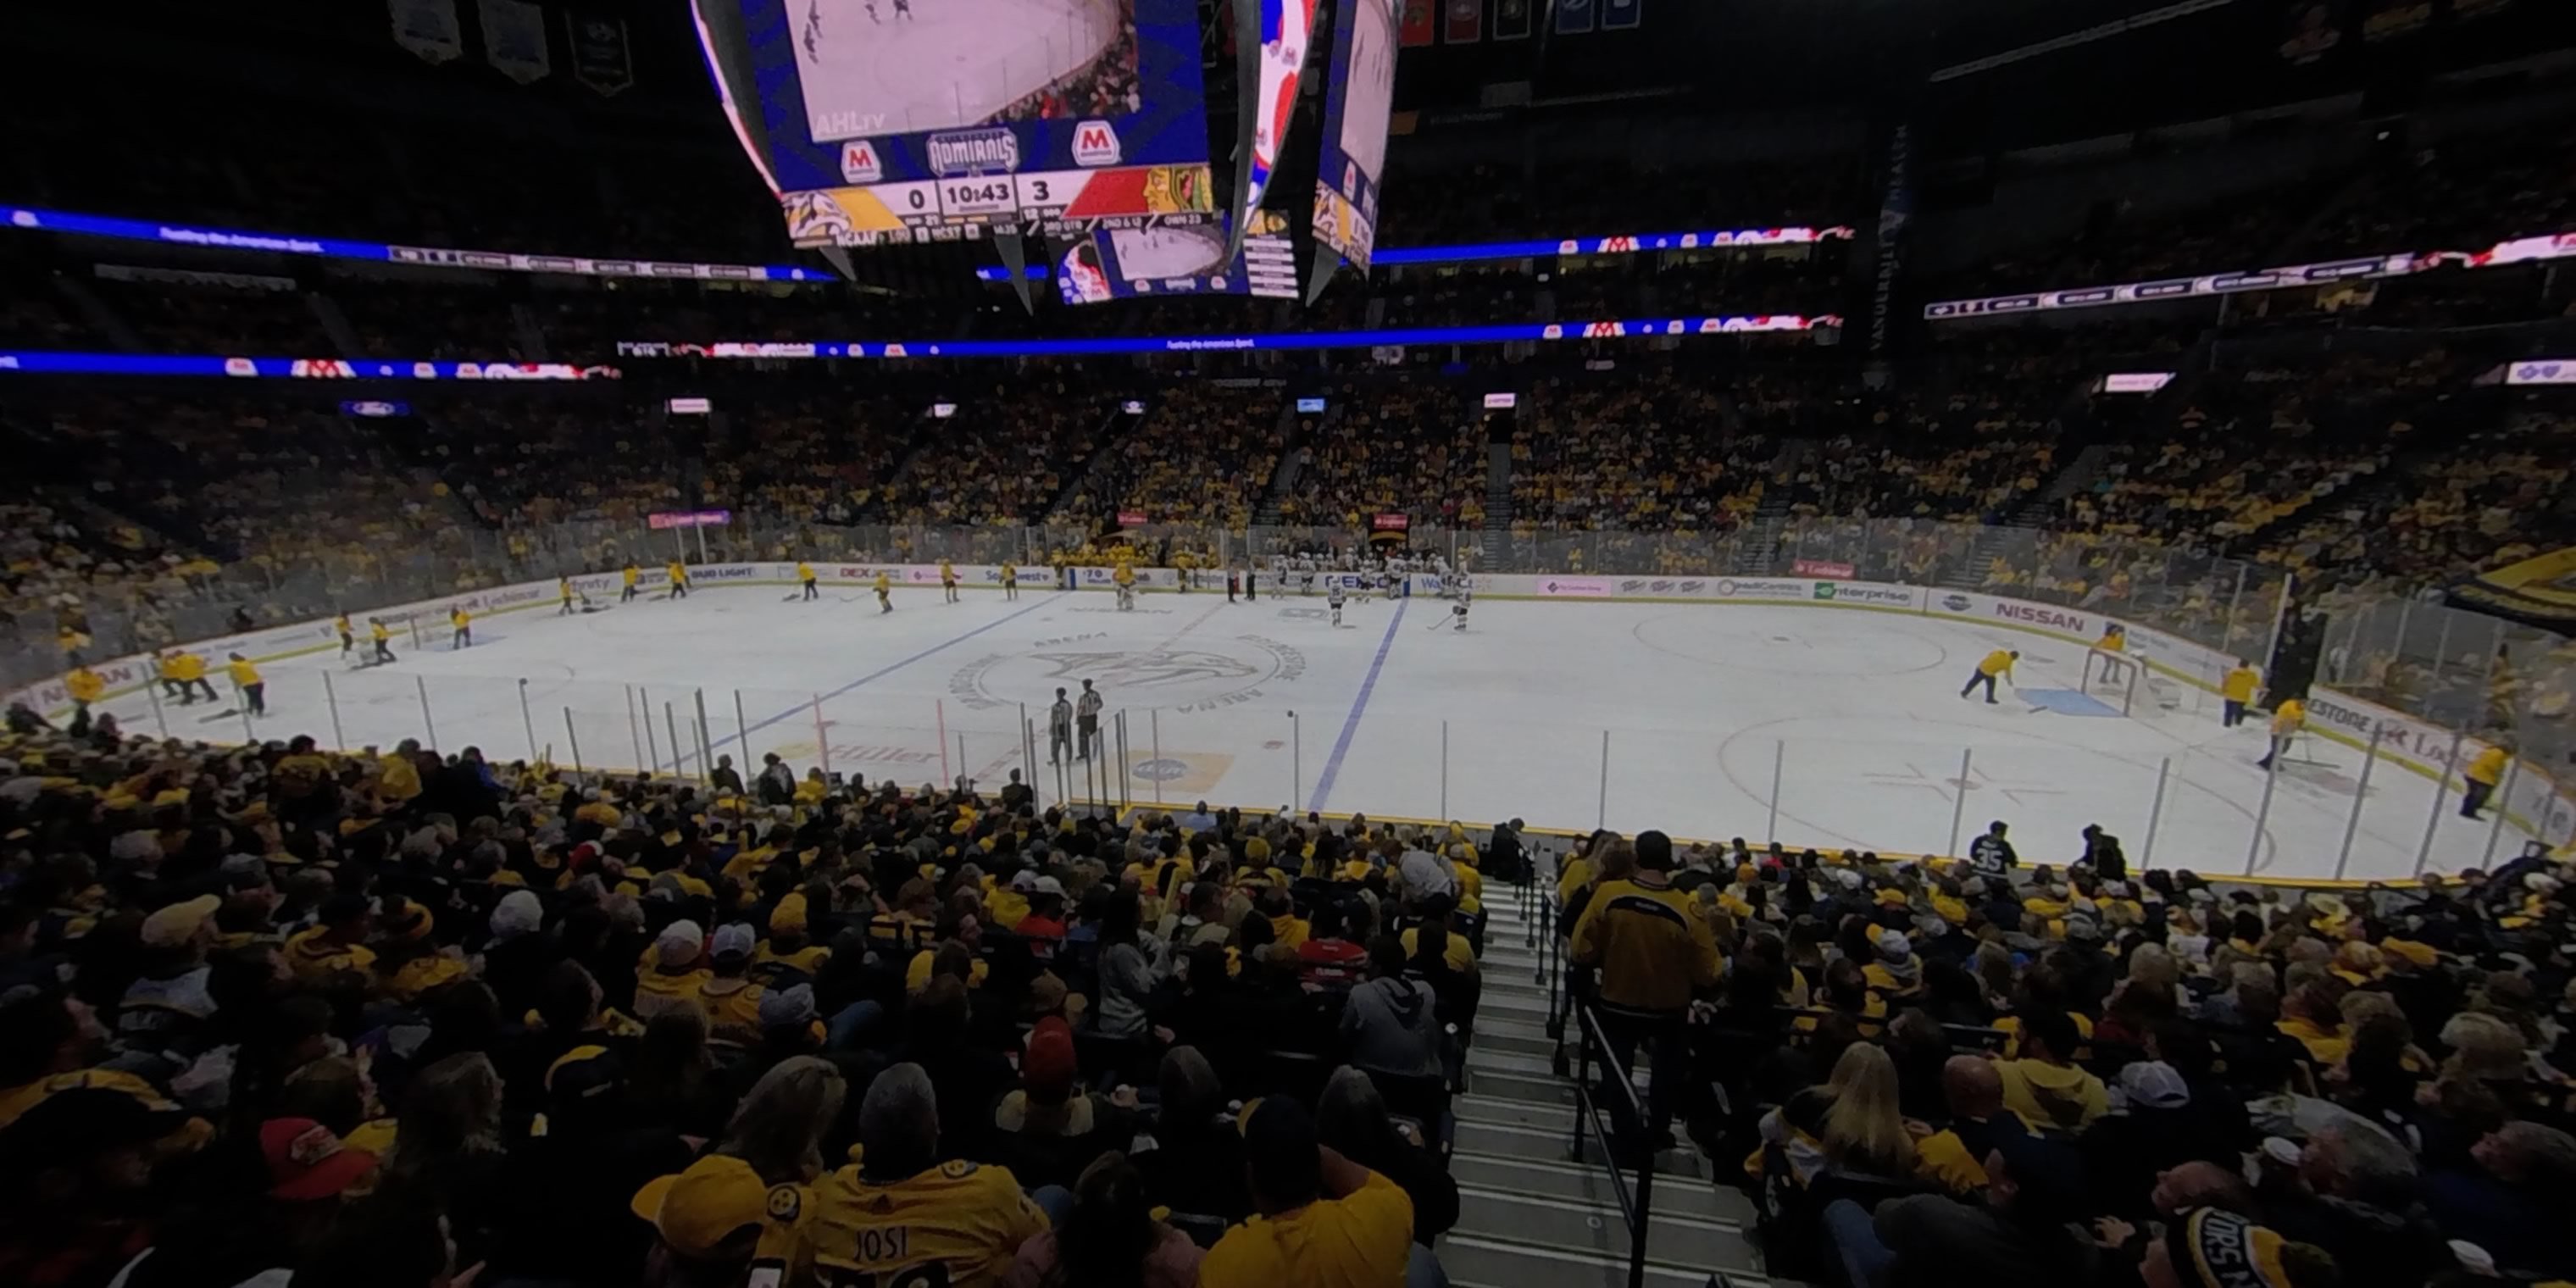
{"x": 1512, "y": 1006}
{"x": 1504, "y": 1215}
{"x": 1477, "y": 1259}
{"x": 1686, "y": 1196}
{"x": 1487, "y": 1061}
{"x": 1512, "y": 984}
{"x": 1540, "y": 1090}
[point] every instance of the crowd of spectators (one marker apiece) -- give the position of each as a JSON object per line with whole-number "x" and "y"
{"x": 386, "y": 1019}
{"x": 1652, "y": 452}
{"x": 1003, "y": 459}
{"x": 1202, "y": 454}
{"x": 1411, "y": 448}
{"x": 1997, "y": 1073}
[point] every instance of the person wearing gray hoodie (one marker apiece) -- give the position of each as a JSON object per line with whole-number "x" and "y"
{"x": 1391, "y": 1021}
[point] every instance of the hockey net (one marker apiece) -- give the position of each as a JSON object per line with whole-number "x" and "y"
{"x": 2126, "y": 683}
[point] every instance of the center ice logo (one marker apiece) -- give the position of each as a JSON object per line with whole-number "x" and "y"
{"x": 1181, "y": 679}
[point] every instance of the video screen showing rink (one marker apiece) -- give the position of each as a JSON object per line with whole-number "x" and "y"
{"x": 876, "y": 67}
{"x": 1817, "y": 724}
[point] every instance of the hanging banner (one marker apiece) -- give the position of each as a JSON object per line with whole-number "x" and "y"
{"x": 514, "y": 40}
{"x": 1466, "y": 21}
{"x": 427, "y": 28}
{"x": 1511, "y": 19}
{"x": 1287, "y": 26}
{"x": 1575, "y": 17}
{"x": 2389, "y": 19}
{"x": 1895, "y": 211}
{"x": 1421, "y": 26}
{"x": 1622, "y": 15}
{"x": 600, "y": 58}
{"x": 2311, "y": 30}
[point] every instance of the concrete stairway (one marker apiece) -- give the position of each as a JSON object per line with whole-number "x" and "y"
{"x": 1531, "y": 1216}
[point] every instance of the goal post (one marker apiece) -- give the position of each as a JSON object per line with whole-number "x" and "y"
{"x": 2124, "y": 681}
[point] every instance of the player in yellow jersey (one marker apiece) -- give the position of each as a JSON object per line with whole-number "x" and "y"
{"x": 885, "y": 592}
{"x": 2287, "y": 719}
{"x": 679, "y": 574}
{"x": 381, "y": 636}
{"x": 348, "y": 635}
{"x": 564, "y": 594}
{"x": 2237, "y": 692}
{"x": 2113, "y": 646}
{"x": 1998, "y": 663}
{"x": 630, "y": 575}
{"x": 901, "y": 1215}
{"x": 245, "y": 677}
{"x": 1124, "y": 578}
{"x": 462, "y": 623}
{"x": 1010, "y": 581}
{"x": 948, "y": 580}
{"x": 805, "y": 576}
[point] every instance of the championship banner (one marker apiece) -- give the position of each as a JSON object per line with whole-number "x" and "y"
{"x": 1511, "y": 19}
{"x": 1575, "y": 17}
{"x": 1895, "y": 211}
{"x": 2389, "y": 19}
{"x": 1466, "y": 23}
{"x": 2311, "y": 30}
{"x": 427, "y": 28}
{"x": 514, "y": 40}
{"x": 1420, "y": 26}
{"x": 600, "y": 57}
{"x": 1622, "y": 15}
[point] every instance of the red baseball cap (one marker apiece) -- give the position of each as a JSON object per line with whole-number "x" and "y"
{"x": 306, "y": 1161}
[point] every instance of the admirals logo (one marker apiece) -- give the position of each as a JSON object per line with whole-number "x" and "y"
{"x": 1208, "y": 678}
{"x": 973, "y": 152}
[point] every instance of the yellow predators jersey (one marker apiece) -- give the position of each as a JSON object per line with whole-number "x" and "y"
{"x": 2240, "y": 684}
{"x": 1999, "y": 662}
{"x": 958, "y": 1224}
{"x": 946, "y": 573}
{"x": 1652, "y": 952}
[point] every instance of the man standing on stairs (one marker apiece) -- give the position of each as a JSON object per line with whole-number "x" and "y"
{"x": 1324, "y": 1220}
{"x": 1653, "y": 954}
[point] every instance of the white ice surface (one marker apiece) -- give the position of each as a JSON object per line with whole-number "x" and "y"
{"x": 1265, "y": 704}
{"x": 948, "y": 65}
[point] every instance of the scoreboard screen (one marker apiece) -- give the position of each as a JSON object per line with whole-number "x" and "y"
{"x": 932, "y": 120}
{"x": 1359, "y": 97}
{"x": 1183, "y": 259}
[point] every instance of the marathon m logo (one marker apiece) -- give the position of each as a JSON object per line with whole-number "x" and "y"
{"x": 1095, "y": 143}
{"x": 974, "y": 152}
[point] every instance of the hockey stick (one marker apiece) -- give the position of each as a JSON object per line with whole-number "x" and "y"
{"x": 233, "y": 714}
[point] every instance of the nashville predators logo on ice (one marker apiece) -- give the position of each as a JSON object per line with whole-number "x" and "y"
{"x": 1183, "y": 679}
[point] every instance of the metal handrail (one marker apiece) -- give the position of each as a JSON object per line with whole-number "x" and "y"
{"x": 1634, "y": 1200}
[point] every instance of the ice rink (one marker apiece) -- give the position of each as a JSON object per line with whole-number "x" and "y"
{"x": 945, "y": 65}
{"x": 1820, "y": 727}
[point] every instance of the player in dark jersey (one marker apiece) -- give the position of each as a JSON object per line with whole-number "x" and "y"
{"x": 813, "y": 30}
{"x": 903, "y": 8}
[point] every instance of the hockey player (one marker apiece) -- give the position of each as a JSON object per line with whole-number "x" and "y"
{"x": 1333, "y": 600}
{"x": 885, "y": 593}
{"x": 381, "y": 635}
{"x": 813, "y": 31}
{"x": 630, "y": 575}
{"x": 1996, "y": 664}
{"x": 565, "y": 594}
{"x": 903, "y": 8}
{"x": 462, "y": 623}
{"x": 679, "y": 574}
{"x": 190, "y": 671}
{"x": 805, "y": 575}
{"x": 1010, "y": 581}
{"x": 2287, "y": 719}
{"x": 1458, "y": 611}
{"x": 348, "y": 636}
{"x": 948, "y": 580}
{"x": 1124, "y": 578}
{"x": 85, "y": 687}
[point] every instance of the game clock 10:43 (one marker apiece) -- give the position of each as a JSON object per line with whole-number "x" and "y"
{"x": 993, "y": 195}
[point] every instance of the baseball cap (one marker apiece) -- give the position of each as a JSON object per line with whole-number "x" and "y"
{"x": 1048, "y": 1067}
{"x": 698, "y": 1209}
{"x": 790, "y": 916}
{"x": 735, "y": 940}
{"x": 787, "y": 1007}
{"x": 175, "y": 924}
{"x": 1024, "y": 881}
{"x": 2154, "y": 1084}
{"x": 1049, "y": 885}
{"x": 306, "y": 1161}
{"x": 679, "y": 943}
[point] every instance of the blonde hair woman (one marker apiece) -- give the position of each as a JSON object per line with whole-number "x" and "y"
{"x": 778, "y": 1129}
{"x": 1863, "y": 1130}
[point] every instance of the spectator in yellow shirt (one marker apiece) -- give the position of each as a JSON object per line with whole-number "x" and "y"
{"x": 1324, "y": 1221}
